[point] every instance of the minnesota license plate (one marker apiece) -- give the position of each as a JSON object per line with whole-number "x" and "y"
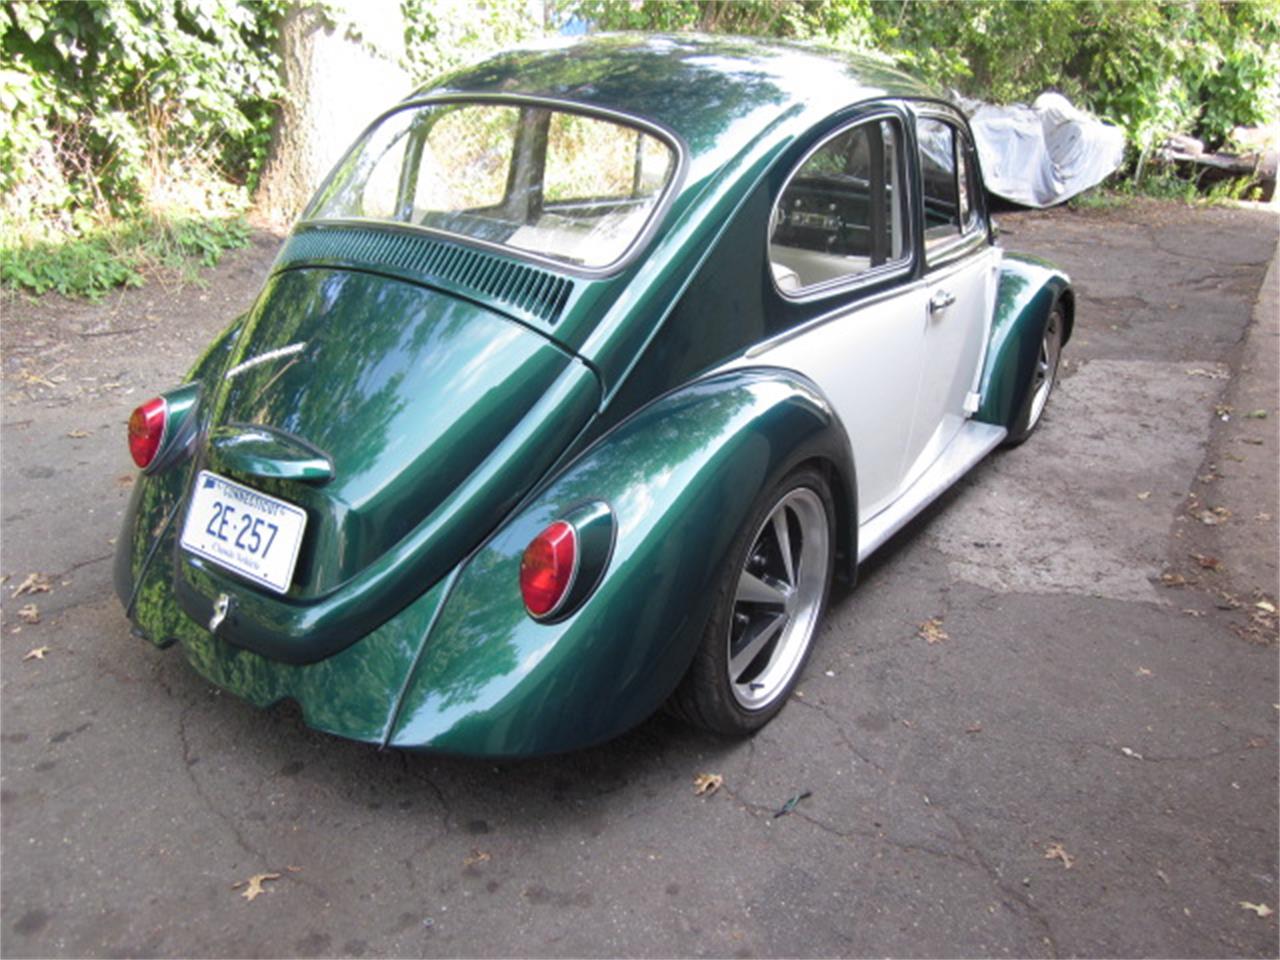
{"x": 243, "y": 530}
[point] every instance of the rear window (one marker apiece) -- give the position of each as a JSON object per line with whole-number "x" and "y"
{"x": 568, "y": 186}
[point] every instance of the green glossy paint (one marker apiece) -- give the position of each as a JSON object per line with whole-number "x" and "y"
{"x": 681, "y": 477}
{"x": 1028, "y": 289}
{"x": 432, "y": 406}
{"x": 267, "y": 453}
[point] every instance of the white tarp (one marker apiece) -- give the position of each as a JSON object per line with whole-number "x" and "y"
{"x": 1042, "y": 154}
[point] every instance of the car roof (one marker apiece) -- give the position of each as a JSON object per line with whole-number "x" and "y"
{"x": 716, "y": 93}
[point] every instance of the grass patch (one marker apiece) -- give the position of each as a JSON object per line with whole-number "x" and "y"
{"x": 116, "y": 253}
{"x": 1165, "y": 185}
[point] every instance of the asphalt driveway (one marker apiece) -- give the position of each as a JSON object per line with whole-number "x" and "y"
{"x": 1079, "y": 758}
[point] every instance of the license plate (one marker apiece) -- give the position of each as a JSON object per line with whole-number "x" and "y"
{"x": 243, "y": 530}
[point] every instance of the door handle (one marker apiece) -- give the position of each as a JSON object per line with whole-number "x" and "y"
{"x": 940, "y": 301}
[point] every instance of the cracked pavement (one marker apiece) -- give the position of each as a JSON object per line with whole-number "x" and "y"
{"x": 1102, "y": 692}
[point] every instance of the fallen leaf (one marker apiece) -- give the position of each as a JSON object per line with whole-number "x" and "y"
{"x": 1207, "y": 374}
{"x": 294, "y": 869}
{"x": 124, "y": 480}
{"x": 36, "y": 654}
{"x": 1256, "y": 742}
{"x": 1208, "y": 562}
{"x": 1266, "y": 606}
{"x": 35, "y": 583}
{"x": 705, "y": 784}
{"x": 1174, "y": 580}
{"x": 1223, "y": 410}
{"x": 1055, "y": 851}
{"x": 1145, "y": 495}
{"x": 974, "y": 728}
{"x": 78, "y": 434}
{"x": 254, "y": 884}
{"x": 477, "y": 856}
{"x": 1131, "y": 753}
{"x": 1143, "y": 672}
{"x": 1213, "y": 517}
{"x": 1193, "y": 613}
{"x": 1256, "y": 415}
{"x": 1261, "y": 909}
{"x": 1253, "y": 441}
{"x": 29, "y": 613}
{"x": 1164, "y": 877}
{"x": 931, "y": 631}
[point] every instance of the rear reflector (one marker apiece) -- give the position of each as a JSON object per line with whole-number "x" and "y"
{"x": 146, "y": 430}
{"x": 547, "y": 568}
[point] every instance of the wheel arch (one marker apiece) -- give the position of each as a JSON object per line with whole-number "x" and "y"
{"x": 680, "y": 475}
{"x": 1028, "y": 289}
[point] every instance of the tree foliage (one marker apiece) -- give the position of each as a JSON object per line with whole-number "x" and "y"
{"x": 117, "y": 110}
{"x": 127, "y": 91}
{"x": 1152, "y": 66}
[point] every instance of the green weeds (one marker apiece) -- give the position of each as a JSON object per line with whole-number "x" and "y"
{"x": 119, "y": 253}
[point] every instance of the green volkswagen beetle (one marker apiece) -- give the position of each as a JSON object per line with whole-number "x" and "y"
{"x": 579, "y": 379}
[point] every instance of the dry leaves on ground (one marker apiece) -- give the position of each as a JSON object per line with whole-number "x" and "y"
{"x": 1056, "y": 851}
{"x": 253, "y": 886}
{"x": 931, "y": 631}
{"x": 1261, "y": 909}
{"x": 705, "y": 784}
{"x": 29, "y": 613}
{"x": 477, "y": 856}
{"x": 35, "y": 583}
{"x": 37, "y": 654}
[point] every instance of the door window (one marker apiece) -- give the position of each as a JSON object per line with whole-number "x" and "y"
{"x": 948, "y": 183}
{"x": 842, "y": 213}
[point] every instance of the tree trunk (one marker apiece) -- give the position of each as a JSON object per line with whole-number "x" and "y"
{"x": 340, "y": 67}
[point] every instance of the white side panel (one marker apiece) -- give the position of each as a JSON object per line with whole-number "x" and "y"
{"x": 954, "y": 344}
{"x": 974, "y": 441}
{"x": 868, "y": 363}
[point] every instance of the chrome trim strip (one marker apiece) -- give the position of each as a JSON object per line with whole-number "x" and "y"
{"x": 974, "y": 441}
{"x": 844, "y": 310}
{"x": 267, "y": 357}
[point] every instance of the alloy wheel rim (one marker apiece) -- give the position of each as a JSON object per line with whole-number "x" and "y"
{"x": 778, "y": 599}
{"x": 1046, "y": 366}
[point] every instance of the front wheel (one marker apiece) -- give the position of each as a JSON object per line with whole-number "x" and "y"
{"x": 1043, "y": 378}
{"x": 766, "y": 613}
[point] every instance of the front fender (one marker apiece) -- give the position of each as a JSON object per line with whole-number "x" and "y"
{"x": 681, "y": 476}
{"x": 1028, "y": 289}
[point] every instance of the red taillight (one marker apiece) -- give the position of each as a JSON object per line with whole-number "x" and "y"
{"x": 146, "y": 430}
{"x": 547, "y": 568}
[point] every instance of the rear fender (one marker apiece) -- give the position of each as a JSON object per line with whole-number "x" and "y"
{"x": 681, "y": 476}
{"x": 157, "y": 494}
{"x": 1028, "y": 289}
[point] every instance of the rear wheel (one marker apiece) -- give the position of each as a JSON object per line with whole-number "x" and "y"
{"x": 1043, "y": 377}
{"x": 767, "y": 608}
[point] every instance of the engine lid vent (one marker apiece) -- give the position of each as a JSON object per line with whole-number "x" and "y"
{"x": 528, "y": 291}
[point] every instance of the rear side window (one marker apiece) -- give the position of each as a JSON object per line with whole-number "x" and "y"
{"x": 948, "y": 183}
{"x": 843, "y": 212}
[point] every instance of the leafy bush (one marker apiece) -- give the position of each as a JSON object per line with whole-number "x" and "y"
{"x": 135, "y": 128}
{"x": 118, "y": 254}
{"x": 1152, "y": 66}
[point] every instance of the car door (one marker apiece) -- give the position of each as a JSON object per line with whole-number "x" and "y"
{"x": 840, "y": 234}
{"x": 961, "y": 270}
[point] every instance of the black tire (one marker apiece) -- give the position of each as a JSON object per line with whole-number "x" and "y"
{"x": 1043, "y": 378}
{"x": 709, "y": 696}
